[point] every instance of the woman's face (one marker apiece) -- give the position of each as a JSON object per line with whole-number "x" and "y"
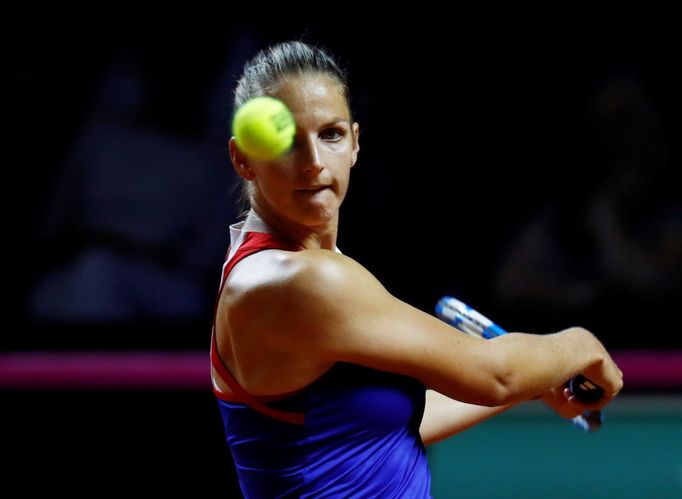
{"x": 307, "y": 185}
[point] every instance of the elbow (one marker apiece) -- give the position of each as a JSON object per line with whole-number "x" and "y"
{"x": 509, "y": 382}
{"x": 495, "y": 390}
{"x": 505, "y": 388}
{"x": 500, "y": 392}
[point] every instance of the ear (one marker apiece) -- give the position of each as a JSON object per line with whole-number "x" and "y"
{"x": 240, "y": 162}
{"x": 356, "y": 144}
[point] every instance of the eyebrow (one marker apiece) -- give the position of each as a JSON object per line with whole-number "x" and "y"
{"x": 336, "y": 121}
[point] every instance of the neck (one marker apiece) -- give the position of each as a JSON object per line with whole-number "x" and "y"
{"x": 308, "y": 237}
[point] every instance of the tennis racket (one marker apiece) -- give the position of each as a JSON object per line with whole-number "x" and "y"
{"x": 471, "y": 322}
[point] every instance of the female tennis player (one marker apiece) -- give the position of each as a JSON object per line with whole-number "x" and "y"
{"x": 328, "y": 385}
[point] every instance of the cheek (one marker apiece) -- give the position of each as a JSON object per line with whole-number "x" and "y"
{"x": 341, "y": 173}
{"x": 270, "y": 187}
{"x": 271, "y": 177}
{"x": 344, "y": 180}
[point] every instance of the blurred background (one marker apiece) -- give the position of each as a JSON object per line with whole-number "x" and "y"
{"x": 527, "y": 169}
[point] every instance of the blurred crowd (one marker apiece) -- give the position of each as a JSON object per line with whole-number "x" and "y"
{"x": 134, "y": 220}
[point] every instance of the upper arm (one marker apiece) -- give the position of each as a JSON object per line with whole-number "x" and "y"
{"x": 444, "y": 416}
{"x": 332, "y": 309}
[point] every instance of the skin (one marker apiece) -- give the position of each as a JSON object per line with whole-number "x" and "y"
{"x": 284, "y": 318}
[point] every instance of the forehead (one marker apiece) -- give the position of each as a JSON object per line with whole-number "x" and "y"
{"x": 311, "y": 96}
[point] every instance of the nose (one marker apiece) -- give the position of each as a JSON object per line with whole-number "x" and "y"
{"x": 310, "y": 156}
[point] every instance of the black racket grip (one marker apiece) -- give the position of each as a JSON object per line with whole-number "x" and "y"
{"x": 584, "y": 390}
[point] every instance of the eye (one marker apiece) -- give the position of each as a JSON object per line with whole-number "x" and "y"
{"x": 332, "y": 134}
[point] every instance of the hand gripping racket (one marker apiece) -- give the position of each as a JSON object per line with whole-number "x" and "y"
{"x": 469, "y": 321}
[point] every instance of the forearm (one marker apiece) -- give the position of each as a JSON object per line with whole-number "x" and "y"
{"x": 533, "y": 364}
{"x": 444, "y": 417}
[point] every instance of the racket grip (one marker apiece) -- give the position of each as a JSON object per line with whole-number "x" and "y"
{"x": 584, "y": 390}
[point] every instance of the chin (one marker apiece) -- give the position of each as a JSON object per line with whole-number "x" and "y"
{"x": 319, "y": 216}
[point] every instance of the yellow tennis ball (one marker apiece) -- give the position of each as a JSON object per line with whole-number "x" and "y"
{"x": 264, "y": 128}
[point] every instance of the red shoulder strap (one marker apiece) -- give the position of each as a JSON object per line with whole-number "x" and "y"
{"x": 252, "y": 243}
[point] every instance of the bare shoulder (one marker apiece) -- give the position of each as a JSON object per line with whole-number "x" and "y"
{"x": 328, "y": 273}
{"x": 298, "y": 282}
{"x": 282, "y": 313}
{"x": 274, "y": 272}
{"x": 300, "y": 301}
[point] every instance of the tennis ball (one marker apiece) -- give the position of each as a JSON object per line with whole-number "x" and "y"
{"x": 264, "y": 128}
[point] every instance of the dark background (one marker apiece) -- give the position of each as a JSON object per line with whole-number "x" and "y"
{"x": 471, "y": 128}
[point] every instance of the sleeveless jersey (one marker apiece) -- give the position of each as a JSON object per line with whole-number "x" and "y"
{"x": 353, "y": 432}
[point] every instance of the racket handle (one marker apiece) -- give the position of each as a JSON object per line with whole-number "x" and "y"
{"x": 584, "y": 390}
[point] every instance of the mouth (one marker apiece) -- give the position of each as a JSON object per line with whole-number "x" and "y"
{"x": 313, "y": 190}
